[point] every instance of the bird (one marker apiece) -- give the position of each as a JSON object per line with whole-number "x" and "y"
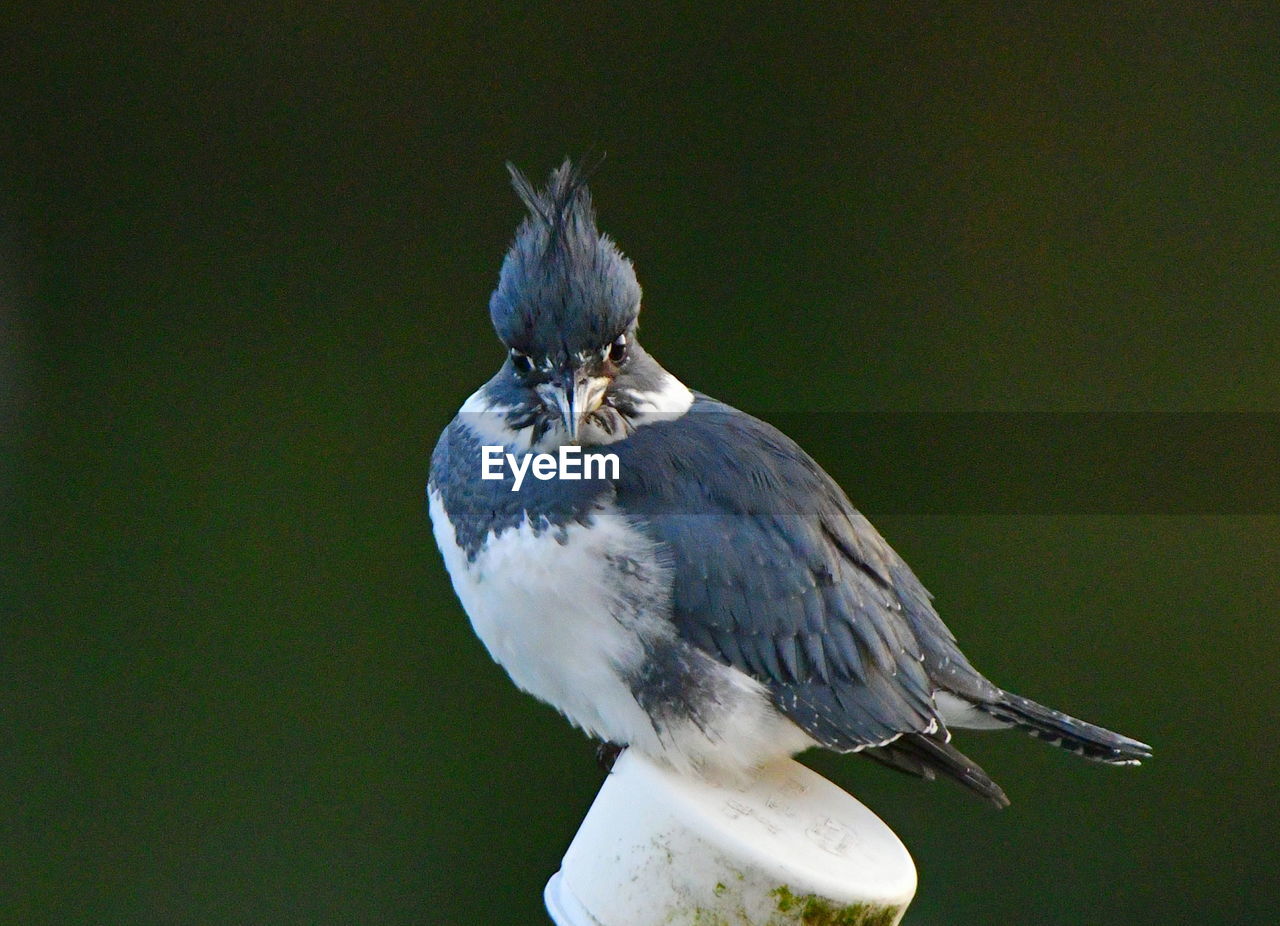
{"x": 714, "y": 602}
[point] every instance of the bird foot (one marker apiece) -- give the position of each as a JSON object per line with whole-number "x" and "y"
{"x": 607, "y": 754}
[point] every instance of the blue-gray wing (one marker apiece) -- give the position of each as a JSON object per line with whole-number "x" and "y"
{"x": 778, "y": 575}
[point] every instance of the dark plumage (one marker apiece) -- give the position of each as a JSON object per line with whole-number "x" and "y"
{"x": 564, "y": 287}
{"x": 751, "y": 565}
{"x": 779, "y": 575}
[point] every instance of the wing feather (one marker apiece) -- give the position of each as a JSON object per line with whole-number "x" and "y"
{"x": 777, "y": 574}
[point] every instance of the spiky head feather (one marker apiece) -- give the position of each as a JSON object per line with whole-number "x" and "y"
{"x": 564, "y": 287}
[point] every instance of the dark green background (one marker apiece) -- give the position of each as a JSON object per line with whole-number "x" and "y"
{"x": 245, "y": 256}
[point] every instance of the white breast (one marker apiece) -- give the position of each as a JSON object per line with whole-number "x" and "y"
{"x": 565, "y": 613}
{"x": 548, "y": 608}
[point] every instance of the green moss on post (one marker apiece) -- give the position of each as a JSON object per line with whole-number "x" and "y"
{"x": 818, "y": 911}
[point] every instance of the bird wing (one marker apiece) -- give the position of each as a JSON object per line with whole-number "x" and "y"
{"x": 776, "y": 574}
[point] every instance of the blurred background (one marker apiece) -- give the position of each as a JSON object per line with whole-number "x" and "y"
{"x": 245, "y": 258}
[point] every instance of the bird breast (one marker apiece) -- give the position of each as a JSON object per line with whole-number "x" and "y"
{"x": 565, "y": 610}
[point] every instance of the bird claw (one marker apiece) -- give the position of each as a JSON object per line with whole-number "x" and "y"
{"x": 607, "y": 754}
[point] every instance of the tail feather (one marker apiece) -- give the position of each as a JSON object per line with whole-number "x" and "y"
{"x": 924, "y": 754}
{"x": 1084, "y": 739}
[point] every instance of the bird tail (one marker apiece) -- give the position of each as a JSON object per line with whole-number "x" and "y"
{"x": 925, "y": 754}
{"x": 1084, "y": 739}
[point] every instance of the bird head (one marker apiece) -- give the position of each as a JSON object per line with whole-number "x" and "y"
{"x": 566, "y": 309}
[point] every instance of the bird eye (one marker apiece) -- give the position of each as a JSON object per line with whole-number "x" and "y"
{"x": 521, "y": 362}
{"x": 618, "y": 349}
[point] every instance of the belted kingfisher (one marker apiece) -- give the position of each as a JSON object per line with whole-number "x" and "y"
{"x": 715, "y": 603}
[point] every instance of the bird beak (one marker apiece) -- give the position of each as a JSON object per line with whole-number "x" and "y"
{"x": 575, "y": 397}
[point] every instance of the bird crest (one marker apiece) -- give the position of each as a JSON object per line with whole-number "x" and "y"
{"x": 564, "y": 287}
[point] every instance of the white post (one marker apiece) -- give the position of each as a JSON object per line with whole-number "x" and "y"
{"x": 659, "y": 849}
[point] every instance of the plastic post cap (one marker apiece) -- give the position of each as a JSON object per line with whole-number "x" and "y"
{"x": 661, "y": 849}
